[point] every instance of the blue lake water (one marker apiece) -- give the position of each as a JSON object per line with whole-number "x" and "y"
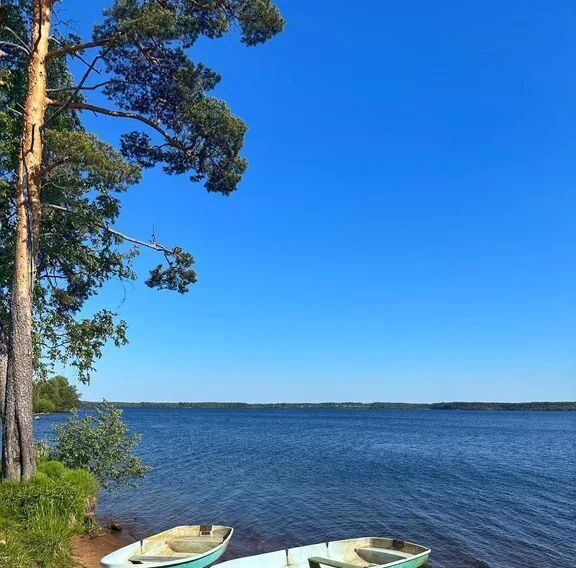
{"x": 482, "y": 489}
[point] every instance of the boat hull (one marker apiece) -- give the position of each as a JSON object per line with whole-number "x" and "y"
{"x": 413, "y": 562}
{"x": 203, "y": 562}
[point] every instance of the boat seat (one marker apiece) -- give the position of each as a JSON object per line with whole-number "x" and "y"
{"x": 144, "y": 558}
{"x": 193, "y": 544}
{"x": 316, "y": 561}
{"x": 371, "y": 551}
{"x": 197, "y": 539}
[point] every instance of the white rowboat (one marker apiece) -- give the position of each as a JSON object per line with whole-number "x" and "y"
{"x": 373, "y": 552}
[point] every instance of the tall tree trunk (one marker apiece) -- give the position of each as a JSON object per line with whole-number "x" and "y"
{"x": 3, "y": 372}
{"x": 18, "y": 455}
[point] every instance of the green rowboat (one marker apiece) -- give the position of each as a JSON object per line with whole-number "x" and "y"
{"x": 192, "y": 546}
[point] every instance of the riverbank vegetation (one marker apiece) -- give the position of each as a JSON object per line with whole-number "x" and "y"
{"x": 38, "y": 518}
{"x": 568, "y": 405}
{"x": 100, "y": 443}
{"x": 55, "y": 395}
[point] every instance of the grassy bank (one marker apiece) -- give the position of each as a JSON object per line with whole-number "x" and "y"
{"x": 38, "y": 519}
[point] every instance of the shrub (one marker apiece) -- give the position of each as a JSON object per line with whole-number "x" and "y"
{"x": 101, "y": 444}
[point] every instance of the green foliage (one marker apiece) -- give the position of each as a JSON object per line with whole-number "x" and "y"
{"x": 176, "y": 276}
{"x": 44, "y": 405}
{"x": 101, "y": 444}
{"x": 55, "y": 395}
{"x": 38, "y": 518}
{"x": 152, "y": 80}
{"x": 185, "y": 21}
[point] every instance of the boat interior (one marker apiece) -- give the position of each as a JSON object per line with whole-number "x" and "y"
{"x": 354, "y": 553}
{"x": 181, "y": 542}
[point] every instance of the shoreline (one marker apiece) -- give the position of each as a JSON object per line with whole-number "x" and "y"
{"x": 89, "y": 549}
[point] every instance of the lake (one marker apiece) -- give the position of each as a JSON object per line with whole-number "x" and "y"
{"x": 482, "y": 489}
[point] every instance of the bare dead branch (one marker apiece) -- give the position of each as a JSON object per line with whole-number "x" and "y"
{"x": 17, "y": 36}
{"x": 79, "y": 88}
{"x": 76, "y": 91}
{"x": 16, "y": 46}
{"x": 72, "y": 49}
{"x": 151, "y": 245}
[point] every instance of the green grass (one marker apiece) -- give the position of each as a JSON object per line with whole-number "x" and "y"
{"x": 39, "y": 518}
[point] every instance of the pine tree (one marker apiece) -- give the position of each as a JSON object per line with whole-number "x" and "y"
{"x": 59, "y": 184}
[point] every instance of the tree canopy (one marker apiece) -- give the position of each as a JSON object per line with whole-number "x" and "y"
{"x": 55, "y": 395}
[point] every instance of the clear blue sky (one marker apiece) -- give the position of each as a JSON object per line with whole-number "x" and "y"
{"x": 407, "y": 227}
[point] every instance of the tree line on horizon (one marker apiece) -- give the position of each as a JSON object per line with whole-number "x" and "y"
{"x": 561, "y": 405}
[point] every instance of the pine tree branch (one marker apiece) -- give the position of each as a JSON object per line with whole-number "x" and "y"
{"x": 17, "y": 36}
{"x": 74, "y": 93}
{"x": 151, "y": 245}
{"x": 172, "y": 141}
{"x": 16, "y": 46}
{"x": 80, "y": 88}
{"x": 15, "y": 111}
{"x": 77, "y": 47}
{"x": 48, "y": 169}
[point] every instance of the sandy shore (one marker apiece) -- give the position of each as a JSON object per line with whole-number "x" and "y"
{"x": 88, "y": 550}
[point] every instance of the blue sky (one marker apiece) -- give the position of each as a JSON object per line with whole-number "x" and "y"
{"x": 406, "y": 230}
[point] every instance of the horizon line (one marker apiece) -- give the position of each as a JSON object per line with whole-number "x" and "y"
{"x": 342, "y": 403}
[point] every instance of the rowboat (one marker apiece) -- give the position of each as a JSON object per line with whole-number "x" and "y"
{"x": 193, "y": 546}
{"x": 364, "y": 552}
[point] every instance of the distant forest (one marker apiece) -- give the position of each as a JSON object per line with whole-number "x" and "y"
{"x": 368, "y": 405}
